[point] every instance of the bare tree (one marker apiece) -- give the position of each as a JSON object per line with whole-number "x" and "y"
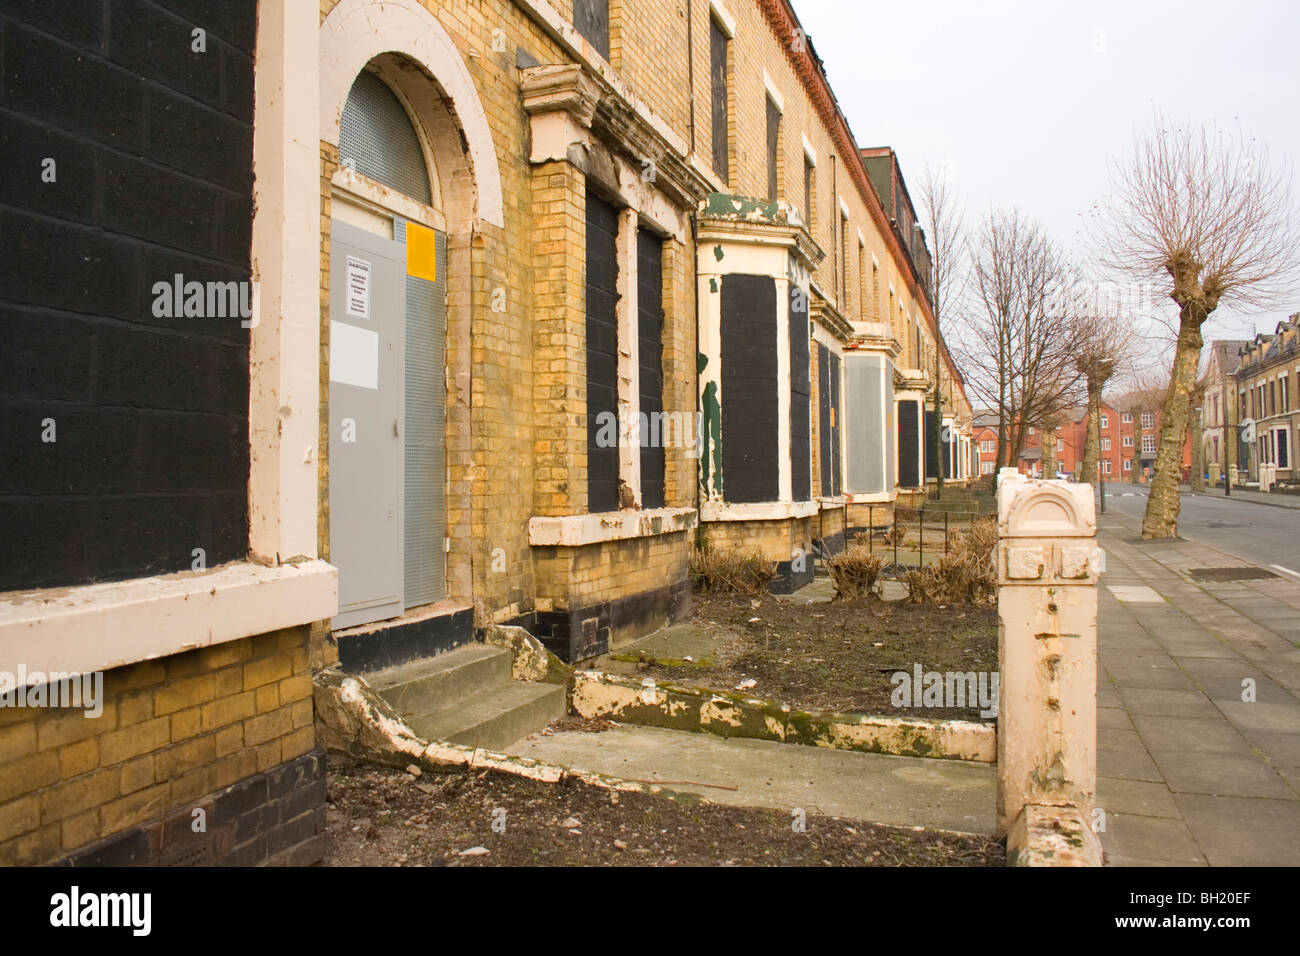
{"x": 1105, "y": 343}
{"x": 1015, "y": 337}
{"x": 948, "y": 274}
{"x": 1210, "y": 218}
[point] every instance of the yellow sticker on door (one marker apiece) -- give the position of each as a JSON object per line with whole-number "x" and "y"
{"x": 421, "y": 252}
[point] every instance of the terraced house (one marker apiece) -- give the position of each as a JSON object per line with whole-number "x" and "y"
{"x": 1267, "y": 380}
{"x": 542, "y": 293}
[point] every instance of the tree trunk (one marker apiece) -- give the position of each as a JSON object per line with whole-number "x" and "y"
{"x": 1092, "y": 439}
{"x": 1161, "y": 518}
{"x": 1049, "y": 452}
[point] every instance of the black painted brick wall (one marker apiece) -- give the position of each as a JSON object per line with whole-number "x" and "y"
{"x": 276, "y": 817}
{"x": 153, "y": 149}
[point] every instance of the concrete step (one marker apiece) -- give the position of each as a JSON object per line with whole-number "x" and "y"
{"x": 432, "y": 683}
{"x": 495, "y": 717}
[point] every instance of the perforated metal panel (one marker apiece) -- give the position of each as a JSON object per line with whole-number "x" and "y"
{"x": 425, "y": 506}
{"x": 377, "y": 139}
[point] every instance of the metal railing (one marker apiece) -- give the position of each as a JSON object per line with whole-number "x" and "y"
{"x": 912, "y": 539}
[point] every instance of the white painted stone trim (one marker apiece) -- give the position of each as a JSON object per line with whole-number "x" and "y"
{"x": 844, "y": 208}
{"x": 101, "y": 626}
{"x": 572, "y": 531}
{"x": 831, "y": 502}
{"x": 725, "y": 19}
{"x": 357, "y": 31}
{"x": 756, "y": 511}
{"x": 284, "y": 341}
{"x": 872, "y": 498}
{"x": 773, "y": 92}
{"x": 808, "y": 150}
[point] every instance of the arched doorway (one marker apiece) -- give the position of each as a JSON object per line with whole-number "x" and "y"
{"x": 387, "y": 333}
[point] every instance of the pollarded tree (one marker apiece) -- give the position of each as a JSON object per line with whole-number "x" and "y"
{"x": 1209, "y": 218}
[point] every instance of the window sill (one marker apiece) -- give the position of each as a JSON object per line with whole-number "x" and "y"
{"x": 96, "y": 627}
{"x": 574, "y": 531}
{"x": 757, "y": 511}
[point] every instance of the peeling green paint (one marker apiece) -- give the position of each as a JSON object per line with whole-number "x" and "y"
{"x": 717, "y": 253}
{"x": 713, "y": 285}
{"x": 712, "y": 438}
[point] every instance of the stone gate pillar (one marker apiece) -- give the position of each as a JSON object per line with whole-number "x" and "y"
{"x": 1048, "y": 569}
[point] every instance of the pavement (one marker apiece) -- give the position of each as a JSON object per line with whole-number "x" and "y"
{"x": 900, "y": 791}
{"x": 1191, "y": 771}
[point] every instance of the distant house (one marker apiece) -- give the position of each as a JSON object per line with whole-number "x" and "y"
{"x": 1220, "y": 443}
{"x": 1267, "y": 380}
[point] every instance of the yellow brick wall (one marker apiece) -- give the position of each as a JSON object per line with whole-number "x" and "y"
{"x": 776, "y": 540}
{"x": 171, "y": 731}
{"x": 582, "y": 576}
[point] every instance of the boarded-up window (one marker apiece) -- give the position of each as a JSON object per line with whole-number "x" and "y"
{"x": 931, "y": 444}
{"x": 828, "y": 406}
{"x": 591, "y": 20}
{"x": 718, "y": 97}
{"x": 773, "y": 149}
{"x": 800, "y": 398}
{"x": 909, "y": 459}
{"x": 602, "y": 356}
{"x": 809, "y": 171}
{"x": 749, "y": 389}
{"x": 650, "y": 351}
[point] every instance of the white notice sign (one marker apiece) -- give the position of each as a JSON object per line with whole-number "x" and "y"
{"x": 358, "y": 288}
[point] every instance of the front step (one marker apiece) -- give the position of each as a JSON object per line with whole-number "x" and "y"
{"x": 419, "y": 687}
{"x": 467, "y": 696}
{"x": 496, "y": 718}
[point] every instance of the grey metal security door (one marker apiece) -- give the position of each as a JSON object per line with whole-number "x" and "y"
{"x": 367, "y": 345}
{"x": 424, "y": 447}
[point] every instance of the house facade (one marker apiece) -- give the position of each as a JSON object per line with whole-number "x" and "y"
{"x": 342, "y": 329}
{"x": 1266, "y": 383}
{"x": 1220, "y": 442}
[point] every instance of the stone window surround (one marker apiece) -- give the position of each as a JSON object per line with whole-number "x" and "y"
{"x": 576, "y": 118}
{"x": 283, "y": 583}
{"x": 787, "y": 254}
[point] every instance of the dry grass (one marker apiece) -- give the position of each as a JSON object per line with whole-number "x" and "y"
{"x": 967, "y": 574}
{"x": 730, "y": 570}
{"x": 854, "y": 571}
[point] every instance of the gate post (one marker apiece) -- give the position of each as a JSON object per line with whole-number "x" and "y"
{"x": 1048, "y": 569}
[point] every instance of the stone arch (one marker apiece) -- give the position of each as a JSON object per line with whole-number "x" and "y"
{"x": 357, "y": 32}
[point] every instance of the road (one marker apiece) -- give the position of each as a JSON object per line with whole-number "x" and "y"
{"x": 1261, "y": 534}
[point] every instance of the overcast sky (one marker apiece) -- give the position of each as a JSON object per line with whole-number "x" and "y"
{"x": 1027, "y": 102}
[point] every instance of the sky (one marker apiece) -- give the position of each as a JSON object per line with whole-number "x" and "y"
{"x": 1026, "y": 104}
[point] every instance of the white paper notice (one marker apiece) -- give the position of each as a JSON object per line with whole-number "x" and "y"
{"x": 354, "y": 356}
{"x": 358, "y": 289}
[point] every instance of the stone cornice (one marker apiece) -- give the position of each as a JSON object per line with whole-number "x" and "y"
{"x": 598, "y": 108}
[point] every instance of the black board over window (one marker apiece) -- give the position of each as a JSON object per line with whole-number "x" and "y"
{"x": 650, "y": 352}
{"x": 591, "y": 20}
{"x": 773, "y": 149}
{"x": 749, "y": 389}
{"x": 602, "y": 355}
{"x": 800, "y": 398}
{"x": 718, "y": 98}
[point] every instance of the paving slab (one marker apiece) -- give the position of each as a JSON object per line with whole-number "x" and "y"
{"x": 1243, "y": 829}
{"x": 900, "y": 791}
{"x": 1220, "y": 774}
